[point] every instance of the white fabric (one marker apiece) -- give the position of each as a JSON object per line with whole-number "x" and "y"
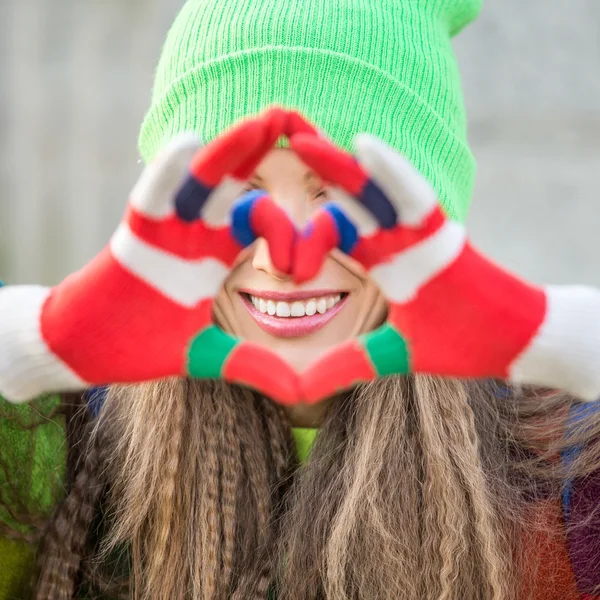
{"x": 565, "y": 353}
{"x": 27, "y": 366}
{"x": 361, "y": 217}
{"x": 217, "y": 211}
{"x": 183, "y": 281}
{"x": 412, "y": 197}
{"x": 401, "y": 278}
{"x": 154, "y": 193}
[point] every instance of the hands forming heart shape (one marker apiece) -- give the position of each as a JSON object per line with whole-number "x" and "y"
{"x": 143, "y": 308}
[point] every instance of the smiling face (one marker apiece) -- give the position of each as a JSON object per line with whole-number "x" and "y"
{"x": 298, "y": 322}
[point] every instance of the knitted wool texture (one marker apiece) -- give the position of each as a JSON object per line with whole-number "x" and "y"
{"x": 350, "y": 66}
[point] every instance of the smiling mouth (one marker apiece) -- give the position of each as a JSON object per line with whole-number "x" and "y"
{"x": 293, "y": 315}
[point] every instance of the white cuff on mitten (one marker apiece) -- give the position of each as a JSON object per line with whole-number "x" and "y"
{"x": 28, "y": 368}
{"x": 565, "y": 353}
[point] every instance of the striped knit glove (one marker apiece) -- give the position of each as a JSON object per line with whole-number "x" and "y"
{"x": 142, "y": 309}
{"x": 452, "y": 311}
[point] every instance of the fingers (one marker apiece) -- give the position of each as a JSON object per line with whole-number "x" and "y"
{"x": 340, "y": 369}
{"x": 278, "y": 122}
{"x": 411, "y": 195}
{"x": 153, "y": 194}
{"x": 377, "y": 354}
{"x": 296, "y": 123}
{"x": 329, "y": 228}
{"x": 274, "y": 121}
{"x": 213, "y": 353}
{"x": 227, "y": 153}
{"x": 362, "y": 218}
{"x": 210, "y": 166}
{"x": 218, "y": 170}
{"x": 342, "y": 169}
{"x": 257, "y": 367}
{"x": 254, "y": 216}
{"x": 333, "y": 164}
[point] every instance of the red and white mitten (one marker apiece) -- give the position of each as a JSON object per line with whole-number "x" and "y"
{"x": 142, "y": 309}
{"x": 452, "y": 311}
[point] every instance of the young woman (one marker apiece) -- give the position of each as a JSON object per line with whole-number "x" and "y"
{"x": 199, "y": 473}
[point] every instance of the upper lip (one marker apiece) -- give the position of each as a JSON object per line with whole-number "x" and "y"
{"x": 287, "y": 296}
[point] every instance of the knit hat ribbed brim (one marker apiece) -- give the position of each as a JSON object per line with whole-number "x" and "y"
{"x": 385, "y": 68}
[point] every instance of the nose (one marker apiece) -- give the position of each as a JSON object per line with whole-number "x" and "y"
{"x": 261, "y": 261}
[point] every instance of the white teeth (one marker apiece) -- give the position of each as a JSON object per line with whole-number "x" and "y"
{"x": 322, "y": 305}
{"x": 283, "y": 309}
{"x": 298, "y": 308}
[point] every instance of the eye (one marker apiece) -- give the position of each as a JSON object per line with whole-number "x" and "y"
{"x": 321, "y": 195}
{"x": 250, "y": 187}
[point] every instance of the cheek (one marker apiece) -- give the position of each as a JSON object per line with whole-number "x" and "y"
{"x": 354, "y": 268}
{"x": 369, "y": 311}
{"x": 367, "y": 307}
{"x": 370, "y": 300}
{"x": 224, "y": 306}
{"x": 377, "y": 309}
{"x": 223, "y": 313}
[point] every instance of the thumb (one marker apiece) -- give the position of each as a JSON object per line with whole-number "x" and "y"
{"x": 410, "y": 194}
{"x": 154, "y": 193}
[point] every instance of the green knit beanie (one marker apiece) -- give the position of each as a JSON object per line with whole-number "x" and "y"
{"x": 384, "y": 67}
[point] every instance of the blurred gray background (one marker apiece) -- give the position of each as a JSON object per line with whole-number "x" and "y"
{"x": 75, "y": 82}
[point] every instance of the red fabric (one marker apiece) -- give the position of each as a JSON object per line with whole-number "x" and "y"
{"x": 546, "y": 544}
{"x": 260, "y": 368}
{"x": 314, "y": 245}
{"x": 122, "y": 344}
{"x": 341, "y": 368}
{"x": 333, "y": 165}
{"x": 240, "y": 150}
{"x": 384, "y": 244}
{"x": 464, "y": 322}
{"x": 269, "y": 221}
{"x": 187, "y": 240}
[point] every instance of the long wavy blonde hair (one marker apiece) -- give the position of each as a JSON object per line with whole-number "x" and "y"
{"x": 417, "y": 488}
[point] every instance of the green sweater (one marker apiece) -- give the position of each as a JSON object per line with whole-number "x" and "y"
{"x": 35, "y": 460}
